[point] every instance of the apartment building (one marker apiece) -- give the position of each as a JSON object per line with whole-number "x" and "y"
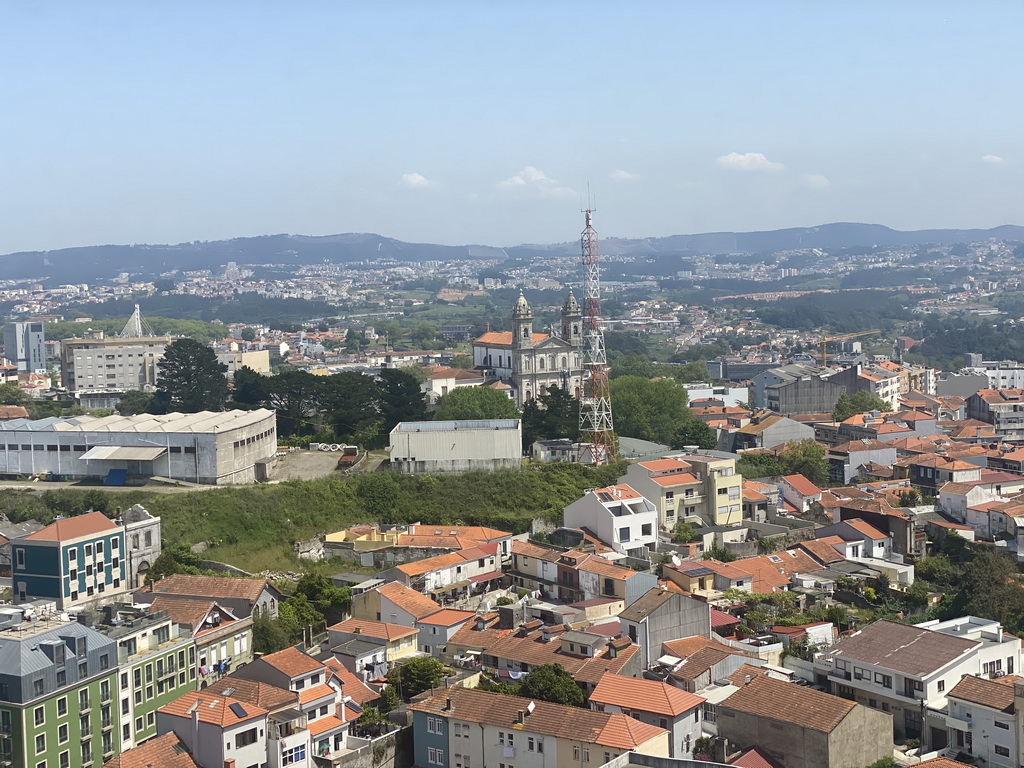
{"x": 73, "y": 561}
{"x": 112, "y": 364}
{"x": 58, "y": 683}
{"x": 620, "y": 517}
{"x": 986, "y": 719}
{"x": 155, "y": 665}
{"x": 243, "y": 597}
{"x": 223, "y": 641}
{"x": 25, "y": 346}
{"x": 217, "y": 729}
{"x": 393, "y": 603}
{"x": 393, "y": 640}
{"x": 689, "y": 485}
{"x": 450, "y": 576}
{"x": 662, "y": 615}
{"x": 907, "y": 671}
{"x": 1002, "y": 408}
{"x": 462, "y": 728}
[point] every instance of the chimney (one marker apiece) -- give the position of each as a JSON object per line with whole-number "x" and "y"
{"x": 448, "y": 704}
{"x": 521, "y": 716}
{"x": 357, "y": 631}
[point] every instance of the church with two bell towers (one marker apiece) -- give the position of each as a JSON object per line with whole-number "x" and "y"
{"x": 531, "y": 363}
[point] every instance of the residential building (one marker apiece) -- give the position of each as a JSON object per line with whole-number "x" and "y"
{"x": 1002, "y": 408}
{"x": 618, "y": 516}
{"x": 799, "y": 492}
{"x": 801, "y": 727}
{"x": 216, "y": 729}
{"x": 444, "y": 380}
{"x": 57, "y": 691}
{"x": 846, "y": 460}
{"x": 243, "y": 597}
{"x": 451, "y": 576}
{"x": 320, "y": 696}
{"x": 765, "y": 430}
{"x": 111, "y": 364}
{"x": 223, "y": 641}
{"x": 690, "y": 485}
{"x": 456, "y": 446}
{"x": 929, "y": 472}
{"x": 985, "y": 719}
{"x": 584, "y": 576}
{"x": 210, "y": 448}
{"x": 393, "y": 603}
{"x": 395, "y": 641}
{"x": 655, "y": 703}
{"x": 436, "y": 630}
{"x": 796, "y": 389}
{"x": 462, "y": 727}
{"x": 25, "y": 346}
{"x": 531, "y": 363}
{"x": 907, "y": 671}
{"x": 155, "y": 665}
{"x": 257, "y": 360}
{"x": 662, "y": 615}
{"x": 73, "y": 561}
{"x": 708, "y": 577}
{"x": 1002, "y": 374}
{"x": 697, "y": 663}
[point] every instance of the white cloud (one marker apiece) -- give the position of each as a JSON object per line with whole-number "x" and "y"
{"x": 815, "y": 180}
{"x": 621, "y": 175}
{"x": 416, "y": 181}
{"x": 748, "y": 161}
{"x": 533, "y": 181}
{"x": 993, "y": 159}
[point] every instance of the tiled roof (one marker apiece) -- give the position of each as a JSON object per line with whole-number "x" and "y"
{"x": 264, "y": 695}
{"x": 428, "y": 564}
{"x": 823, "y": 550}
{"x": 772, "y": 699}
{"x": 324, "y": 724}
{"x": 902, "y": 648}
{"x": 865, "y": 529}
{"x": 722, "y": 619}
{"x": 469, "y": 636}
{"x": 183, "y": 610}
{"x": 165, "y": 751}
{"x": 802, "y": 485}
{"x": 739, "y": 677}
{"x": 620, "y": 491}
{"x": 223, "y": 587}
{"x": 534, "y": 650}
{"x": 293, "y": 662}
{"x": 528, "y": 549}
{"x": 88, "y": 524}
{"x": 942, "y": 762}
{"x": 635, "y": 693}
{"x": 754, "y": 758}
{"x": 996, "y": 694}
{"x": 213, "y": 709}
{"x": 504, "y": 338}
{"x": 409, "y": 600}
{"x": 547, "y": 719}
{"x": 646, "y": 604}
{"x": 377, "y": 629}
{"x": 663, "y": 465}
{"x": 448, "y": 617}
{"x": 316, "y": 692}
{"x": 670, "y": 481}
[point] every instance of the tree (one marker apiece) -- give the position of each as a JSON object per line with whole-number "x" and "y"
{"x": 354, "y": 403}
{"x": 12, "y": 394}
{"x": 684, "y": 533}
{"x": 248, "y": 334}
{"x": 476, "y": 403}
{"x": 561, "y": 413}
{"x": 268, "y": 635}
{"x": 330, "y": 601}
{"x": 134, "y": 401}
{"x": 250, "y": 387}
{"x": 400, "y": 398}
{"x": 551, "y": 682}
{"x": 649, "y": 410}
{"x": 378, "y": 493}
{"x": 759, "y": 465}
{"x": 632, "y": 364}
{"x": 416, "y": 676}
{"x": 295, "y": 395}
{"x": 464, "y": 362}
{"x": 190, "y": 377}
{"x": 695, "y": 432}
{"x": 859, "y": 402}
{"x": 424, "y": 334}
{"x": 807, "y": 458}
{"x": 388, "y": 699}
{"x": 909, "y": 498}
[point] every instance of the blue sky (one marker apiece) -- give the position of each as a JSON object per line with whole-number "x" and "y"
{"x": 484, "y": 122}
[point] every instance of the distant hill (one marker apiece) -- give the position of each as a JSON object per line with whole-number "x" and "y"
{"x": 78, "y": 265}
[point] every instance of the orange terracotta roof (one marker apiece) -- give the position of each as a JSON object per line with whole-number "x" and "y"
{"x": 448, "y": 617}
{"x": 662, "y": 465}
{"x": 823, "y": 550}
{"x": 351, "y": 685}
{"x": 865, "y": 528}
{"x": 324, "y": 724}
{"x": 378, "y": 629}
{"x": 504, "y": 338}
{"x": 223, "y": 587}
{"x": 426, "y": 565}
{"x": 620, "y": 491}
{"x": 995, "y": 694}
{"x": 409, "y": 600}
{"x": 167, "y": 751}
{"x": 213, "y": 709}
{"x": 648, "y": 695}
{"x": 264, "y": 695}
{"x": 316, "y": 692}
{"x": 802, "y": 485}
{"x": 754, "y": 758}
{"x": 75, "y": 527}
{"x": 293, "y": 662}
{"x": 191, "y": 613}
{"x": 669, "y": 481}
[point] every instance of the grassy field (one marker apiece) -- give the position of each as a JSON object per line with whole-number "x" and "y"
{"x": 255, "y": 527}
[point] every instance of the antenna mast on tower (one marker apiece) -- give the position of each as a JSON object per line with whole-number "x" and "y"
{"x": 136, "y": 326}
{"x": 596, "y": 433}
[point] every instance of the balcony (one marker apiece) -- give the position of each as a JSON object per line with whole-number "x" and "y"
{"x": 86, "y": 732}
{"x": 107, "y": 723}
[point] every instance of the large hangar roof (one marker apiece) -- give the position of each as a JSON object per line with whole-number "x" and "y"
{"x": 191, "y": 423}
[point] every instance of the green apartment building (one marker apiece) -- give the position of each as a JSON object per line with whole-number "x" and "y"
{"x": 156, "y": 664}
{"x": 57, "y": 692}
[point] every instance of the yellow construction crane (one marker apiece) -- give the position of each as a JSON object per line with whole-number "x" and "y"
{"x": 826, "y": 339}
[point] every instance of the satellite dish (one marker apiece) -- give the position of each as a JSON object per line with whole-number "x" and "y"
{"x": 675, "y": 559}
{"x": 530, "y": 707}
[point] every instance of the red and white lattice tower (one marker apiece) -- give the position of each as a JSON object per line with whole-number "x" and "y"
{"x": 597, "y": 438}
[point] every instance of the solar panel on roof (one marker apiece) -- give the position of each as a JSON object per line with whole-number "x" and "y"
{"x": 238, "y": 709}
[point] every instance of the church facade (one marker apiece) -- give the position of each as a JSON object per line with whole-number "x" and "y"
{"x": 529, "y": 362}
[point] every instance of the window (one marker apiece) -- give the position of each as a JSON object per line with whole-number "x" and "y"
{"x": 884, "y": 680}
{"x": 62, "y": 706}
{"x": 942, "y": 685}
{"x": 586, "y": 754}
{"x": 104, "y": 662}
{"x": 294, "y": 755}
{"x": 534, "y": 745}
{"x": 20, "y": 554}
{"x": 37, "y": 687}
{"x": 1003, "y": 726}
{"x": 576, "y": 752}
{"x": 1000, "y": 750}
{"x": 65, "y": 760}
{"x": 435, "y": 756}
{"x": 40, "y": 743}
{"x": 434, "y": 725}
{"x": 88, "y": 550}
{"x": 62, "y": 733}
{"x": 245, "y": 738}
{"x": 40, "y": 716}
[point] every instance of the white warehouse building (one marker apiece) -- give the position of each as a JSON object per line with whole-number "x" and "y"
{"x": 456, "y": 446}
{"x": 222, "y": 448}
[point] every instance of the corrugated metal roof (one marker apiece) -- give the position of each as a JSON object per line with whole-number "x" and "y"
{"x": 204, "y": 421}
{"x": 124, "y": 453}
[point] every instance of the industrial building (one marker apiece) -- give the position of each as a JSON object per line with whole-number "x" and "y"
{"x": 210, "y": 448}
{"x": 456, "y": 446}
